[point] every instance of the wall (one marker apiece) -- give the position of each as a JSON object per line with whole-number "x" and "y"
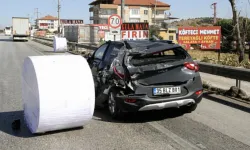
{"x": 166, "y": 34}
{"x": 48, "y": 22}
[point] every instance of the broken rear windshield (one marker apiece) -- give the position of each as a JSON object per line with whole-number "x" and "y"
{"x": 168, "y": 55}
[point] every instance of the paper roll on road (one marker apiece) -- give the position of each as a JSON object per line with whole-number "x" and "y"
{"x": 58, "y": 92}
{"x": 60, "y": 44}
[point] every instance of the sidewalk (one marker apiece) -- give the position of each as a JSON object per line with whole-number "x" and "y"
{"x": 224, "y": 83}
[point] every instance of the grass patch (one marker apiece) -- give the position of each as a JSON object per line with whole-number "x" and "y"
{"x": 225, "y": 58}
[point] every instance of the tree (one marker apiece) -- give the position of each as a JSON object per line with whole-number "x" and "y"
{"x": 245, "y": 29}
{"x": 237, "y": 34}
{"x": 226, "y": 31}
{"x": 154, "y": 30}
{"x": 164, "y": 25}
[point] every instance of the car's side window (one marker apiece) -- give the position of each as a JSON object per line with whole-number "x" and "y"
{"x": 114, "y": 52}
{"x": 100, "y": 52}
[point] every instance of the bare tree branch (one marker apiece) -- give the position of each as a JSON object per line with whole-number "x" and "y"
{"x": 239, "y": 45}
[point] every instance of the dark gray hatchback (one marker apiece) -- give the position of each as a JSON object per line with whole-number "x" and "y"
{"x": 145, "y": 75}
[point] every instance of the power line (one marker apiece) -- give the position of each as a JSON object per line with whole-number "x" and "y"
{"x": 37, "y": 13}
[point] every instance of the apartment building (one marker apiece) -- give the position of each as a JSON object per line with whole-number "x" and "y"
{"x": 150, "y": 11}
{"x": 51, "y": 23}
{"x": 47, "y": 22}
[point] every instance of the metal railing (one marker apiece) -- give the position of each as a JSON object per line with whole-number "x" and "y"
{"x": 71, "y": 45}
{"x": 240, "y": 74}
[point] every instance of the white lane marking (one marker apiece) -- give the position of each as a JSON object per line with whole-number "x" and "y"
{"x": 185, "y": 144}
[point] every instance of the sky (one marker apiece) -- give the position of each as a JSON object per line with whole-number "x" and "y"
{"x": 79, "y": 9}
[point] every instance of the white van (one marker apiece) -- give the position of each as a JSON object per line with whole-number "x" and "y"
{"x": 7, "y": 31}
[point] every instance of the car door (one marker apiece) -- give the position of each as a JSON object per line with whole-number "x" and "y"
{"x": 111, "y": 53}
{"x": 96, "y": 62}
{"x": 101, "y": 82}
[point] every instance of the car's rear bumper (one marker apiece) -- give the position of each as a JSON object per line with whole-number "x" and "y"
{"x": 164, "y": 105}
{"x": 144, "y": 103}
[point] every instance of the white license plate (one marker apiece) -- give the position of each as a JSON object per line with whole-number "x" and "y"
{"x": 167, "y": 90}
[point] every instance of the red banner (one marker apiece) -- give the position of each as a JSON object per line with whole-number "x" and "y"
{"x": 208, "y": 37}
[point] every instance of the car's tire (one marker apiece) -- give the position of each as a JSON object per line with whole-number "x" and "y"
{"x": 114, "y": 109}
{"x": 190, "y": 109}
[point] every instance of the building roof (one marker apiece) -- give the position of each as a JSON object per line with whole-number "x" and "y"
{"x": 48, "y": 17}
{"x": 135, "y": 3}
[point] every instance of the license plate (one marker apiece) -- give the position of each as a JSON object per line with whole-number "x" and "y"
{"x": 167, "y": 90}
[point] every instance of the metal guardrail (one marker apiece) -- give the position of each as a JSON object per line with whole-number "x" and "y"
{"x": 225, "y": 71}
{"x": 74, "y": 45}
{"x": 215, "y": 69}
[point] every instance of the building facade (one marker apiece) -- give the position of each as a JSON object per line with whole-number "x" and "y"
{"x": 47, "y": 22}
{"x": 51, "y": 23}
{"x": 151, "y": 11}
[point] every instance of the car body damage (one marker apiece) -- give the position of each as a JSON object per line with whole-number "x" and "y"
{"x": 142, "y": 73}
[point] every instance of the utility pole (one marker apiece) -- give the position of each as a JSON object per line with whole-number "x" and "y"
{"x": 122, "y": 10}
{"x": 36, "y": 12}
{"x": 58, "y": 10}
{"x": 213, "y": 6}
{"x": 155, "y": 11}
{"x": 29, "y": 17}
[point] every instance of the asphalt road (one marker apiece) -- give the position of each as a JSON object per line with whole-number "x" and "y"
{"x": 216, "y": 124}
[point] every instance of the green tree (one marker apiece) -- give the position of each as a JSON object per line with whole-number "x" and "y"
{"x": 227, "y": 33}
{"x": 154, "y": 30}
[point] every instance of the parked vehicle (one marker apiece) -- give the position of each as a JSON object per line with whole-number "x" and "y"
{"x": 133, "y": 76}
{"x": 21, "y": 29}
{"x": 7, "y": 31}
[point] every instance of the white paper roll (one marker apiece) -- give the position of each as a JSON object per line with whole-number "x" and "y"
{"x": 59, "y": 44}
{"x": 58, "y": 92}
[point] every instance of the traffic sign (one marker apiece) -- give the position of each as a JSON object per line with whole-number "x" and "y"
{"x": 116, "y": 31}
{"x": 114, "y": 21}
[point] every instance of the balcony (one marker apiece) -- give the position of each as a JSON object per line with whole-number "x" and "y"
{"x": 104, "y": 16}
{"x": 134, "y": 16}
{"x": 162, "y": 8}
{"x": 110, "y": 6}
{"x": 91, "y": 9}
{"x": 107, "y": 12}
{"x": 158, "y": 16}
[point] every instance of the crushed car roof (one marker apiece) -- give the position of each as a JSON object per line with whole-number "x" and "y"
{"x": 148, "y": 46}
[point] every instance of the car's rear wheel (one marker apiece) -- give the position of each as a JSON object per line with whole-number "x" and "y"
{"x": 190, "y": 108}
{"x": 114, "y": 110}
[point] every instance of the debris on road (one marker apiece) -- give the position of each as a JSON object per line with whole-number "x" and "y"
{"x": 60, "y": 44}
{"x": 232, "y": 92}
{"x": 58, "y": 92}
{"x": 237, "y": 93}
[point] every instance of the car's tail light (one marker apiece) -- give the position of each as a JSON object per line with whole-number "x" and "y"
{"x": 198, "y": 92}
{"x": 130, "y": 100}
{"x": 119, "y": 74}
{"x": 192, "y": 66}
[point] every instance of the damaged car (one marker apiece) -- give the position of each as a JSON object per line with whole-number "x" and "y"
{"x": 133, "y": 76}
